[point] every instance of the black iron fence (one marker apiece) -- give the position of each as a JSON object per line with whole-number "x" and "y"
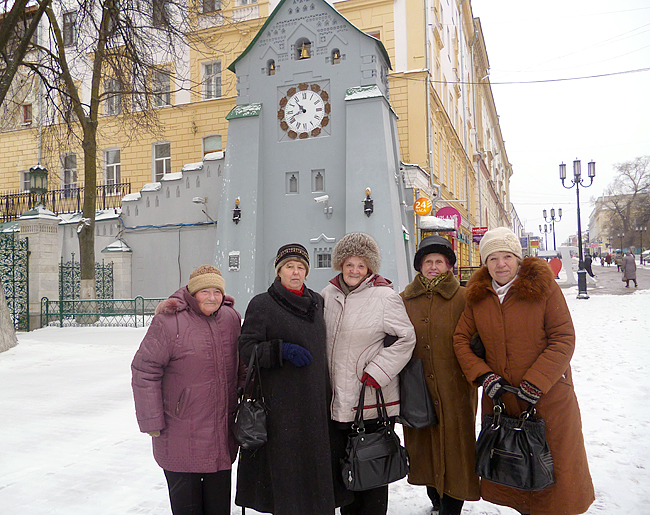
{"x": 136, "y": 312}
{"x": 70, "y": 280}
{"x": 14, "y": 273}
{"x": 67, "y": 200}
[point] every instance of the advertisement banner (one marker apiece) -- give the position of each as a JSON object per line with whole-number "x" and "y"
{"x": 477, "y": 233}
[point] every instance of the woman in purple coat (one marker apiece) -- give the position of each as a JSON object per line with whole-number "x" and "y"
{"x": 185, "y": 378}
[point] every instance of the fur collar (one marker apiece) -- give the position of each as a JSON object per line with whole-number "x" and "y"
{"x": 447, "y": 288}
{"x": 532, "y": 284}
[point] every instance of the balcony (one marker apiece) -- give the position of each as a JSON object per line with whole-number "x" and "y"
{"x": 68, "y": 200}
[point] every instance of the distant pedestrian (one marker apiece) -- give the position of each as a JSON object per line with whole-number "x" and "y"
{"x": 608, "y": 259}
{"x": 602, "y": 261}
{"x": 629, "y": 269}
{"x": 619, "y": 261}
{"x": 588, "y": 262}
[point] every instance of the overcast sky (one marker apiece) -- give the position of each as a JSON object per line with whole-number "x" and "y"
{"x": 545, "y": 120}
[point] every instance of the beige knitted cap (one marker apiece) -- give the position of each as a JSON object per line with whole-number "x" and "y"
{"x": 500, "y": 239}
{"x": 206, "y": 276}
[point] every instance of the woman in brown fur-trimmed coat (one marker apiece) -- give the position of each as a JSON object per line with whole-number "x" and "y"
{"x": 442, "y": 456}
{"x": 524, "y": 323}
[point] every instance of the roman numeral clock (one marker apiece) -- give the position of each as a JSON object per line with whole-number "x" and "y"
{"x": 304, "y": 110}
{"x": 312, "y": 131}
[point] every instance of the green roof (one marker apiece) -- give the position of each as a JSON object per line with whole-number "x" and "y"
{"x": 382, "y": 48}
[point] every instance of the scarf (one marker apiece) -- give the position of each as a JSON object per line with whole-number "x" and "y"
{"x": 430, "y": 284}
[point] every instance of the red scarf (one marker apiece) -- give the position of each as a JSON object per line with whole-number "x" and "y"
{"x": 297, "y": 292}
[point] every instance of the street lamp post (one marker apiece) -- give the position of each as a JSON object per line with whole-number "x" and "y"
{"x": 641, "y": 229}
{"x": 577, "y": 181}
{"x": 553, "y": 219}
{"x": 545, "y": 231}
{"x": 620, "y": 235}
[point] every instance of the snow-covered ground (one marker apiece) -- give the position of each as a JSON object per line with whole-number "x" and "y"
{"x": 69, "y": 443}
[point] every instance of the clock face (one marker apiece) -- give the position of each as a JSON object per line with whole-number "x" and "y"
{"x": 304, "y": 111}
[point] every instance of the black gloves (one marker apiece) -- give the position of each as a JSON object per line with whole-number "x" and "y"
{"x": 529, "y": 392}
{"x": 493, "y": 385}
{"x": 298, "y": 355}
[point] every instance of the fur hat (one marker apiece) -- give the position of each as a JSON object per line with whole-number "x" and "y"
{"x": 434, "y": 244}
{"x": 206, "y": 276}
{"x": 292, "y": 251}
{"x": 357, "y": 244}
{"x": 500, "y": 239}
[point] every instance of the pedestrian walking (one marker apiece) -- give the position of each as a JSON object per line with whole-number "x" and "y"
{"x": 628, "y": 266}
{"x": 442, "y": 456}
{"x": 361, "y": 309}
{"x": 588, "y": 262}
{"x": 185, "y": 378}
{"x": 525, "y": 325}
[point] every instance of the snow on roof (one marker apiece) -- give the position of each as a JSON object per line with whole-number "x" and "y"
{"x": 214, "y": 156}
{"x": 190, "y": 167}
{"x": 174, "y": 176}
{"x": 433, "y": 223}
{"x": 151, "y": 186}
{"x": 131, "y": 197}
{"x": 39, "y": 211}
{"x": 117, "y": 246}
{"x": 100, "y": 215}
{"x": 359, "y": 92}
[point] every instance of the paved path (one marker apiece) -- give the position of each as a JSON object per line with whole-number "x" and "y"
{"x": 608, "y": 280}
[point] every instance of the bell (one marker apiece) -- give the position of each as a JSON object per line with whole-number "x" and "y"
{"x": 304, "y": 53}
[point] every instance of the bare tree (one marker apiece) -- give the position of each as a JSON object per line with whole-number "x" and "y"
{"x": 7, "y": 331}
{"x": 627, "y": 196}
{"x": 123, "y": 54}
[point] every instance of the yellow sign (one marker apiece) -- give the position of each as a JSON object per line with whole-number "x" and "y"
{"x": 422, "y": 206}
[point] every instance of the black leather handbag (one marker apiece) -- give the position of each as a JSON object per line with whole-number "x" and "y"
{"x": 513, "y": 451}
{"x": 373, "y": 459}
{"x": 416, "y": 407}
{"x": 249, "y": 427}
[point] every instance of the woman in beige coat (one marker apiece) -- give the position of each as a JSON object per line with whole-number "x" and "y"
{"x": 442, "y": 456}
{"x": 361, "y": 308}
{"x": 524, "y": 323}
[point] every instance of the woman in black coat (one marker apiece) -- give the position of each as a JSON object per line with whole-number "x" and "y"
{"x": 294, "y": 473}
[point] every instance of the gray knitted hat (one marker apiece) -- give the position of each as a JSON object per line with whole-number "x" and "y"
{"x": 357, "y": 244}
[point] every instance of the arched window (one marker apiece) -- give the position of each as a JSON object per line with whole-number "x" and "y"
{"x": 270, "y": 67}
{"x": 303, "y": 49}
{"x": 336, "y": 56}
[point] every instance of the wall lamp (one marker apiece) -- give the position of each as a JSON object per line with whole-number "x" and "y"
{"x": 368, "y": 203}
{"x": 236, "y": 213}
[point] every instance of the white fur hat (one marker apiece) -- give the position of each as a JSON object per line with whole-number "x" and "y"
{"x": 500, "y": 239}
{"x": 357, "y": 244}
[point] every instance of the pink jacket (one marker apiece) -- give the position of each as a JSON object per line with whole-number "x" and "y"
{"x": 185, "y": 378}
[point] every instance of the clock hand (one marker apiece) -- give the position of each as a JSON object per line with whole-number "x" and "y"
{"x": 301, "y": 108}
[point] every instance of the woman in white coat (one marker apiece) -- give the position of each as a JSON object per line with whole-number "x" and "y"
{"x": 361, "y": 309}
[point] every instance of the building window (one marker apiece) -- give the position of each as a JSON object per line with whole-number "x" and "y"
{"x": 162, "y": 160}
{"x": 210, "y": 6}
{"x": 161, "y": 80}
{"x": 291, "y": 183}
{"x": 27, "y": 114}
{"x": 113, "y": 102}
{"x": 69, "y": 174}
{"x": 212, "y": 80}
{"x": 24, "y": 182}
{"x": 375, "y": 34}
{"x": 239, "y": 3}
{"x": 318, "y": 181}
{"x": 112, "y": 171}
{"x": 211, "y": 144}
{"x": 323, "y": 258}
{"x": 160, "y": 16}
{"x": 69, "y": 29}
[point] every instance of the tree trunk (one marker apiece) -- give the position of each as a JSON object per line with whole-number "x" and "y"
{"x": 86, "y": 229}
{"x": 7, "y": 332}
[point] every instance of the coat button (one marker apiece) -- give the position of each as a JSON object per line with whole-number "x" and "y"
{"x": 427, "y": 347}
{"x": 430, "y": 376}
{"x": 426, "y": 320}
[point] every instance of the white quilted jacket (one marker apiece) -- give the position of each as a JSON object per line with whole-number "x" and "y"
{"x": 356, "y": 327}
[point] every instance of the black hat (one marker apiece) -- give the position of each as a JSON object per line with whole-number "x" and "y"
{"x": 292, "y": 251}
{"x": 434, "y": 244}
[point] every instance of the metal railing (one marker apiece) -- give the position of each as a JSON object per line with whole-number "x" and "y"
{"x": 136, "y": 312}
{"x": 67, "y": 200}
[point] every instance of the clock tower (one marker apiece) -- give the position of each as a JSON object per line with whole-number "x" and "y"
{"x": 312, "y": 151}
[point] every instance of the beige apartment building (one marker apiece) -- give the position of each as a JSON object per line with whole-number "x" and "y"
{"x": 439, "y": 88}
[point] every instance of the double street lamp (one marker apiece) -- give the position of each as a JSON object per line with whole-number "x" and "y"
{"x": 641, "y": 229}
{"x": 578, "y": 181}
{"x": 553, "y": 219}
{"x": 545, "y": 231}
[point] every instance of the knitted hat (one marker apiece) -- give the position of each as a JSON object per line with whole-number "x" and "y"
{"x": 500, "y": 239}
{"x": 357, "y": 244}
{"x": 206, "y": 276}
{"x": 434, "y": 244}
{"x": 292, "y": 251}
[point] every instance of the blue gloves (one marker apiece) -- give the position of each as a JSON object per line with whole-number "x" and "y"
{"x": 298, "y": 355}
